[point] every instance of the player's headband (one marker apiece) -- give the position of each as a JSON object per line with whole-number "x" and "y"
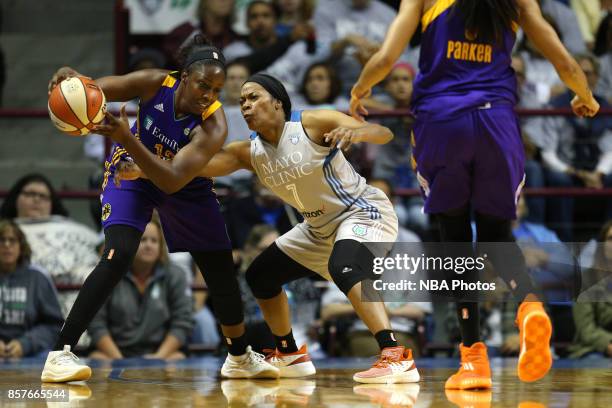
{"x": 212, "y": 54}
{"x": 274, "y": 88}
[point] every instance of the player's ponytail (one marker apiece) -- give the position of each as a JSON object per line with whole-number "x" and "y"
{"x": 487, "y": 20}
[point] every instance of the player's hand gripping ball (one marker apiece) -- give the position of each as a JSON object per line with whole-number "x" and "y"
{"x": 76, "y": 105}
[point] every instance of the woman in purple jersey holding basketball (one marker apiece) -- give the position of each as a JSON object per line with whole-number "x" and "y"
{"x": 179, "y": 118}
{"x": 468, "y": 153}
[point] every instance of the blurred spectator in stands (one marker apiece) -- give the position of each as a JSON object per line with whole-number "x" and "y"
{"x": 237, "y": 129}
{"x": 2, "y": 74}
{"x": 352, "y": 31}
{"x": 575, "y": 151}
{"x": 320, "y": 89}
{"x": 149, "y": 313}
{"x": 258, "y": 333}
{"x": 63, "y": 247}
{"x": 259, "y": 207}
{"x": 566, "y": 21}
{"x": 539, "y": 71}
{"x": 534, "y": 173}
{"x": 593, "y": 310}
{"x": 292, "y": 12}
{"x": 551, "y": 266}
{"x": 392, "y": 162}
{"x": 30, "y": 315}
{"x": 589, "y": 15}
{"x": 215, "y": 18}
{"x": 262, "y": 47}
{"x": 603, "y": 49}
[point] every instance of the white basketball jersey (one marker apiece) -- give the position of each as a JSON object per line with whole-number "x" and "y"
{"x": 317, "y": 181}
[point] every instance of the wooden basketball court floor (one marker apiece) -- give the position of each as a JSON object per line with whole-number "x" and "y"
{"x": 194, "y": 382}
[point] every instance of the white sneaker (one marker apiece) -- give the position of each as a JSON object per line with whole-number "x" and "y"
{"x": 249, "y": 365}
{"x": 63, "y": 366}
{"x": 291, "y": 365}
{"x": 247, "y": 393}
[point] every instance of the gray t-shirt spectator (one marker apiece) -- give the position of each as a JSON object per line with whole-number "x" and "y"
{"x": 29, "y": 310}
{"x": 336, "y": 19}
{"x": 138, "y": 323}
{"x": 566, "y": 20}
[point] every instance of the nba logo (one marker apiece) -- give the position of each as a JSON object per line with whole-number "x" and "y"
{"x": 148, "y": 122}
{"x": 294, "y": 138}
{"x": 215, "y": 55}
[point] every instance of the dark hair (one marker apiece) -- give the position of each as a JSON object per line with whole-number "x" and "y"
{"x": 258, "y": 2}
{"x": 488, "y": 19}
{"x": 25, "y": 252}
{"x": 602, "y": 45}
{"x": 9, "y": 206}
{"x": 335, "y": 85}
{"x": 239, "y": 62}
{"x": 197, "y": 44}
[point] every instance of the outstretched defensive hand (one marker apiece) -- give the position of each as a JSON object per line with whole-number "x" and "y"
{"x": 342, "y": 138}
{"x": 357, "y": 110}
{"x": 118, "y": 129}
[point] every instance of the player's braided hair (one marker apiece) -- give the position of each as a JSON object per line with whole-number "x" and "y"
{"x": 488, "y": 19}
{"x": 197, "y": 44}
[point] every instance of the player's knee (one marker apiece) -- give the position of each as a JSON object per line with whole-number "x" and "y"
{"x": 347, "y": 274}
{"x": 262, "y": 286}
{"x": 228, "y": 307}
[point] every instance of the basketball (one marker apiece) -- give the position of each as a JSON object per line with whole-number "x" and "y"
{"x": 76, "y": 105}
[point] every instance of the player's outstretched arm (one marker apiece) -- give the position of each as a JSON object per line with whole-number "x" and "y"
{"x": 548, "y": 43}
{"x": 335, "y": 129}
{"x": 141, "y": 84}
{"x": 233, "y": 157}
{"x": 378, "y": 67}
{"x": 170, "y": 175}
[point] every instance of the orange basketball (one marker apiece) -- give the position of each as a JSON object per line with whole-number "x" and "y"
{"x": 76, "y": 105}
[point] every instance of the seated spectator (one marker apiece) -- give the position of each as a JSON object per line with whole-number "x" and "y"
{"x": 575, "y": 151}
{"x": 534, "y": 173}
{"x": 292, "y": 12}
{"x": 259, "y": 207}
{"x": 589, "y": 15}
{"x": 357, "y": 341}
{"x": 149, "y": 313}
{"x": 64, "y": 248}
{"x": 392, "y": 161}
{"x": 237, "y": 129}
{"x": 214, "y": 21}
{"x": 30, "y": 315}
{"x": 539, "y": 71}
{"x": 551, "y": 266}
{"x": 262, "y": 48}
{"x": 258, "y": 333}
{"x": 320, "y": 89}
{"x": 603, "y": 49}
{"x": 351, "y": 31}
{"x": 565, "y": 19}
{"x": 593, "y": 310}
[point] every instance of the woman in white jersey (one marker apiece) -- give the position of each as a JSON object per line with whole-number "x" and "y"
{"x": 298, "y": 156}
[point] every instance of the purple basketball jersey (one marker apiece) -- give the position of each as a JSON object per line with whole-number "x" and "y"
{"x": 458, "y": 74}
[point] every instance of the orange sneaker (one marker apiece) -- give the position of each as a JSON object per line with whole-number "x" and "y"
{"x": 474, "y": 372}
{"x": 291, "y": 365}
{"x": 395, "y": 365}
{"x": 535, "y": 330}
{"x": 470, "y": 399}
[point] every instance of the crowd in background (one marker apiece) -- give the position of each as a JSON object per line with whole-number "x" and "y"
{"x": 317, "y": 49}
